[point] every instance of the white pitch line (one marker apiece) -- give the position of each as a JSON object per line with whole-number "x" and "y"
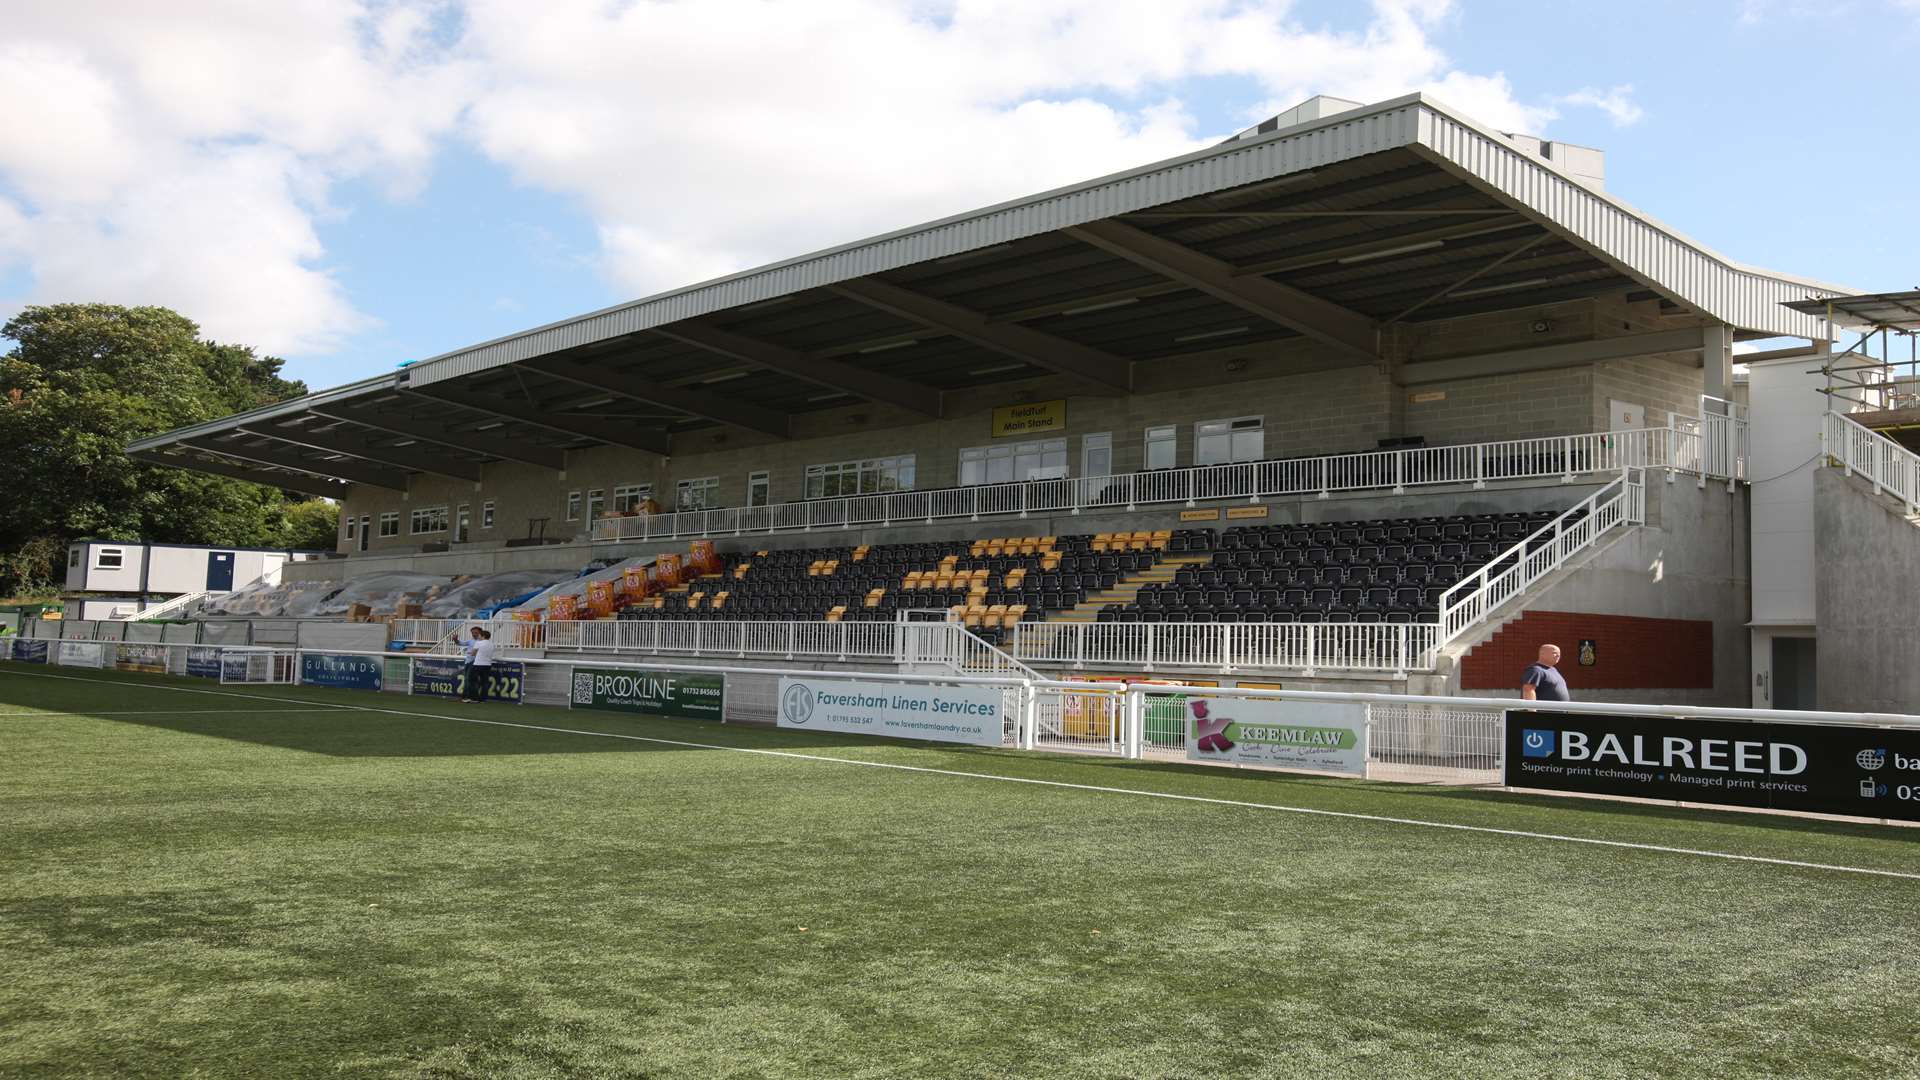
{"x": 1626, "y": 845}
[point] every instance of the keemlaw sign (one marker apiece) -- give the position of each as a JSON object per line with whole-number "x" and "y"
{"x": 960, "y": 714}
{"x": 1817, "y": 768}
{"x": 1325, "y": 736}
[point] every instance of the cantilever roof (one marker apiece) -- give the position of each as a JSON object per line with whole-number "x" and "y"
{"x": 1308, "y": 241}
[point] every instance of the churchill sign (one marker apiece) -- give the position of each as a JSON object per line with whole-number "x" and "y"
{"x": 1819, "y": 768}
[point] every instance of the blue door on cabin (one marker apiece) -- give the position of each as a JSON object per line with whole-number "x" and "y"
{"x": 219, "y": 571}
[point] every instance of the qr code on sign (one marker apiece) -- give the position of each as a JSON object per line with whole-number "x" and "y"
{"x": 582, "y": 688}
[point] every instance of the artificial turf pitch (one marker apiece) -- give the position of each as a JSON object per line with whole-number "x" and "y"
{"x": 197, "y": 884}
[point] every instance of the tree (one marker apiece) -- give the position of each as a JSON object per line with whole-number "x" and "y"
{"x": 84, "y": 380}
{"x": 312, "y": 524}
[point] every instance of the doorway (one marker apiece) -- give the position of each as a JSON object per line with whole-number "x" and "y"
{"x": 1793, "y": 673}
{"x": 219, "y": 571}
{"x": 366, "y": 528}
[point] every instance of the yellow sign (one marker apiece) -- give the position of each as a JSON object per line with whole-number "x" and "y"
{"x": 1030, "y": 418}
{"x": 1246, "y": 511}
{"x": 1199, "y": 515}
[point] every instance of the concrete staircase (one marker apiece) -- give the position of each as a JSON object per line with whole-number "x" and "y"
{"x": 1128, "y": 588}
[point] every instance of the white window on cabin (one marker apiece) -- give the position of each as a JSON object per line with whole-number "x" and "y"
{"x": 109, "y": 559}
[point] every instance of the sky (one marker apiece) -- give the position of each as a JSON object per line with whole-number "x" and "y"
{"x": 353, "y": 186}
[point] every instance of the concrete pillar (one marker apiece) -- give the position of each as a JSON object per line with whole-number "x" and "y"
{"x": 1716, "y": 357}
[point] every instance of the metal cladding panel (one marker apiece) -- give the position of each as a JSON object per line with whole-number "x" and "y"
{"x": 1216, "y": 169}
{"x": 1741, "y": 297}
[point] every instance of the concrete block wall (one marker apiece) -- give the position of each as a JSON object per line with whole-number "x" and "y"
{"x": 1867, "y": 599}
{"x": 1525, "y": 405}
{"x": 1342, "y": 410}
{"x": 1663, "y": 386}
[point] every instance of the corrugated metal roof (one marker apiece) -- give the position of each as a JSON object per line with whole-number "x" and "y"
{"x": 379, "y": 384}
{"x": 1896, "y": 310}
{"x": 1742, "y": 296}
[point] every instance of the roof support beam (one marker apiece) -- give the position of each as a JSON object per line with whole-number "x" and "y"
{"x": 346, "y": 469}
{"x": 305, "y": 485}
{"x": 1102, "y": 372}
{"x": 611, "y": 432}
{"x": 701, "y": 403}
{"x": 1303, "y": 313}
{"x": 408, "y": 427}
{"x": 820, "y": 370}
{"x": 1545, "y": 357}
{"x": 415, "y": 458}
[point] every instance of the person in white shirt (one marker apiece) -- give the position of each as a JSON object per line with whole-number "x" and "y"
{"x": 479, "y": 650}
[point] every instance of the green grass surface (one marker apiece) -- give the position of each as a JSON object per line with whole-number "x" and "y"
{"x": 202, "y": 885}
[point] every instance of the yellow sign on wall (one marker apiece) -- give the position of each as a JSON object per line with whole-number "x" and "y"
{"x": 1199, "y": 515}
{"x": 1032, "y": 417}
{"x": 1246, "y": 511}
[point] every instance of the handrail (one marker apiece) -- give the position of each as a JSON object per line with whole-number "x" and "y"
{"x": 1888, "y": 466}
{"x": 1565, "y": 457}
{"x": 1474, "y": 598}
{"x": 1393, "y": 647}
{"x": 175, "y": 604}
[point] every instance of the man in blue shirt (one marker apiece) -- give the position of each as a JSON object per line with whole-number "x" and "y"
{"x": 1542, "y": 682}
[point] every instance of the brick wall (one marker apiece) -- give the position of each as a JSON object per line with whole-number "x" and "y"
{"x": 1658, "y": 385}
{"x": 1630, "y": 653}
{"x": 1499, "y": 407}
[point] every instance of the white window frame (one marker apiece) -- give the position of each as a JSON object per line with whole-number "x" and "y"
{"x": 1161, "y": 440}
{"x": 1010, "y": 463}
{"x": 119, "y": 556}
{"x": 486, "y": 514}
{"x": 596, "y": 503}
{"x": 73, "y": 558}
{"x": 1230, "y": 441}
{"x": 1096, "y": 442}
{"x": 350, "y": 522}
{"x": 390, "y": 518}
{"x": 435, "y": 518}
{"x": 707, "y": 486}
{"x": 867, "y": 476}
{"x": 628, "y": 497}
{"x": 573, "y": 505}
{"x": 463, "y": 523}
{"x": 760, "y": 488}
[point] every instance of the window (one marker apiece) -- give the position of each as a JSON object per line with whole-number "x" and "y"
{"x": 390, "y": 523}
{"x": 573, "y": 506}
{"x": 1007, "y": 462}
{"x": 628, "y": 497}
{"x": 109, "y": 559}
{"x": 1160, "y": 447}
{"x": 596, "y": 502}
{"x": 486, "y": 514}
{"x": 1096, "y": 454}
{"x": 349, "y": 524}
{"x": 1218, "y": 442}
{"x": 462, "y": 523}
{"x": 428, "y": 519}
{"x": 759, "y": 489}
{"x": 73, "y": 558}
{"x": 872, "y": 476}
{"x": 698, "y": 494}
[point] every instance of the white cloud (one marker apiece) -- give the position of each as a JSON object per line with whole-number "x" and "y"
{"x": 1616, "y": 102}
{"x": 182, "y": 153}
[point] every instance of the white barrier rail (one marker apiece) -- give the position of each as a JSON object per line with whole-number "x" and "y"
{"x": 1308, "y": 647}
{"x": 1566, "y": 457}
{"x": 1888, "y": 466}
{"x": 178, "y": 604}
{"x": 911, "y": 644}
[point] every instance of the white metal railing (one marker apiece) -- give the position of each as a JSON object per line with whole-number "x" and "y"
{"x": 178, "y": 603}
{"x": 912, "y": 644}
{"x": 1888, "y": 466}
{"x": 1560, "y": 456}
{"x": 1474, "y": 598}
{"x": 1310, "y": 647}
